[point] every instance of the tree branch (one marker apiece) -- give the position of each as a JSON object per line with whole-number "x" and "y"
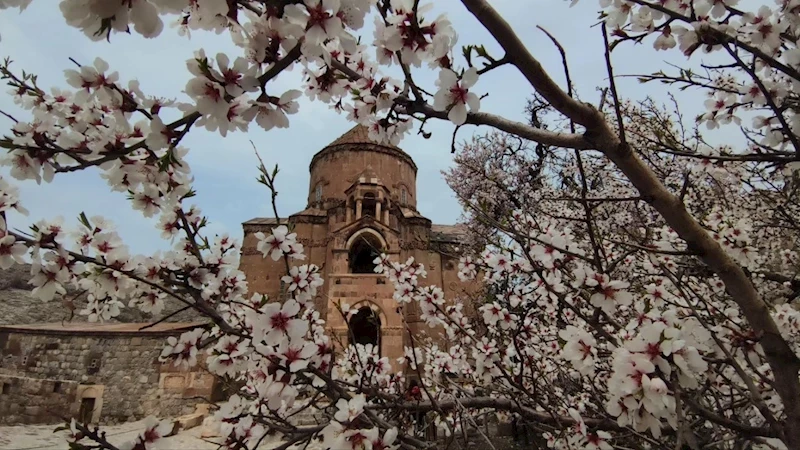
{"x": 504, "y": 405}
{"x": 581, "y": 113}
{"x": 566, "y": 140}
{"x": 782, "y": 359}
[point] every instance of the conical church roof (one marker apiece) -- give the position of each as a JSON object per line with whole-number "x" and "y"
{"x": 359, "y": 134}
{"x": 368, "y": 176}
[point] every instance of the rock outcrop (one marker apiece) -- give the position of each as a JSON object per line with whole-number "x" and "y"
{"x": 18, "y": 307}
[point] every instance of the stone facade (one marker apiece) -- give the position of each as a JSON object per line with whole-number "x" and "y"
{"x": 35, "y": 400}
{"x": 102, "y": 373}
{"x": 362, "y": 202}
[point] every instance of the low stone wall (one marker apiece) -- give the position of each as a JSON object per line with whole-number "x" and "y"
{"x": 34, "y": 400}
{"x": 119, "y": 371}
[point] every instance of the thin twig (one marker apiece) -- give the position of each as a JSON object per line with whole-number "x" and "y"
{"x": 613, "y": 85}
{"x": 163, "y": 319}
{"x": 9, "y": 116}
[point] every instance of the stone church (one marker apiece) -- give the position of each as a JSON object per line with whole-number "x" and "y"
{"x": 361, "y": 202}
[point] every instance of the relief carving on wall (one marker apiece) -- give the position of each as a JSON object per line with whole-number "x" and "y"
{"x": 413, "y": 245}
{"x": 331, "y": 202}
{"x": 418, "y": 241}
{"x": 392, "y": 331}
{"x": 314, "y": 243}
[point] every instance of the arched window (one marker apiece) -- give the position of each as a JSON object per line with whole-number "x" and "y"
{"x": 318, "y": 193}
{"x": 365, "y": 327}
{"x": 403, "y": 196}
{"x": 368, "y": 204}
{"x": 363, "y": 252}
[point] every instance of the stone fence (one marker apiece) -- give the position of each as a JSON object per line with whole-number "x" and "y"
{"x": 35, "y": 400}
{"x": 111, "y": 372}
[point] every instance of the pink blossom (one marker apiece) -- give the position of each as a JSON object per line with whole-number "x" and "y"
{"x": 454, "y": 94}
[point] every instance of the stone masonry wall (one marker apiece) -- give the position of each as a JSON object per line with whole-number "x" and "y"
{"x": 124, "y": 369}
{"x": 33, "y": 400}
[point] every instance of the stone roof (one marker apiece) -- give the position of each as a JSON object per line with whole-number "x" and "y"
{"x": 264, "y": 221}
{"x": 359, "y": 134}
{"x": 284, "y": 220}
{"x": 409, "y": 213}
{"x": 448, "y": 233}
{"x": 89, "y": 328}
{"x": 368, "y": 176}
{"x": 310, "y": 212}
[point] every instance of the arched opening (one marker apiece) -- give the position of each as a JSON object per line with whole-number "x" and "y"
{"x": 368, "y": 205}
{"x": 365, "y": 327}
{"x": 363, "y": 251}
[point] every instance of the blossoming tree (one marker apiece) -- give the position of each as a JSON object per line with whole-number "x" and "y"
{"x": 642, "y": 279}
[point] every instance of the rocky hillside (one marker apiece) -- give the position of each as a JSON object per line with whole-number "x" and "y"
{"x": 18, "y": 307}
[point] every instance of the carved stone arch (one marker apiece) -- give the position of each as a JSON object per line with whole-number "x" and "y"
{"x": 322, "y": 181}
{"x": 374, "y": 306}
{"x": 377, "y": 234}
{"x": 318, "y": 191}
{"x": 402, "y": 187}
{"x": 89, "y": 402}
{"x": 366, "y": 326}
{"x": 363, "y": 247}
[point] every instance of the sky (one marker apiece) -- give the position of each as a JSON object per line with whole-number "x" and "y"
{"x": 39, "y": 41}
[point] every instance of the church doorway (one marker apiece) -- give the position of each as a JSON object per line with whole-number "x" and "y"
{"x": 86, "y": 411}
{"x": 363, "y": 252}
{"x": 365, "y": 328}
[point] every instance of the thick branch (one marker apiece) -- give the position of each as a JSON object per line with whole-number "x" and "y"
{"x": 581, "y": 113}
{"x": 728, "y": 423}
{"x": 517, "y": 128}
{"x": 504, "y": 404}
{"x": 509, "y": 126}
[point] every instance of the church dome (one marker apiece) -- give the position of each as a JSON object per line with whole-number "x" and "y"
{"x": 337, "y": 166}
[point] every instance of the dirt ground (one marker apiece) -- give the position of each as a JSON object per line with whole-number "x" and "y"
{"x": 41, "y": 437}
